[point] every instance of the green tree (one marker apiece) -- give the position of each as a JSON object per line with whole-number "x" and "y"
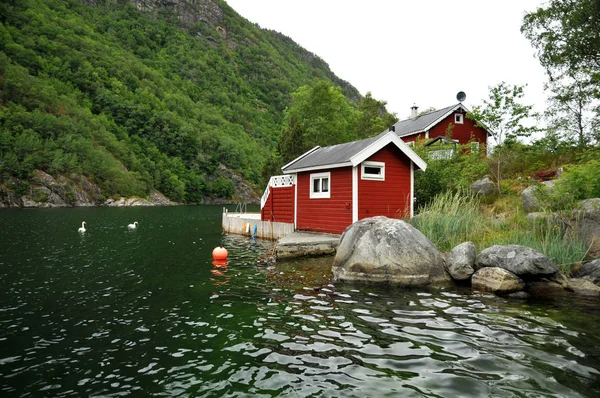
{"x": 566, "y": 35}
{"x": 373, "y": 117}
{"x": 504, "y": 115}
{"x": 318, "y": 115}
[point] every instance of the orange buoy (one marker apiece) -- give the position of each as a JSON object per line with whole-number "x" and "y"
{"x": 219, "y": 253}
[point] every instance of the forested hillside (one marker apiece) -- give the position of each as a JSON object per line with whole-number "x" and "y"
{"x": 144, "y": 98}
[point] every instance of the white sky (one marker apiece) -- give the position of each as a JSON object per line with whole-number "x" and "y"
{"x": 418, "y": 51}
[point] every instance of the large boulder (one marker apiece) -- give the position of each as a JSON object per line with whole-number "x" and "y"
{"x": 483, "y": 187}
{"x": 460, "y": 262}
{"x": 388, "y": 251}
{"x": 587, "y": 226}
{"x": 496, "y": 280}
{"x": 522, "y": 261}
{"x": 589, "y": 271}
{"x": 530, "y": 201}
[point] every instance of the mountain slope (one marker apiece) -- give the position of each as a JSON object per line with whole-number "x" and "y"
{"x": 144, "y": 95}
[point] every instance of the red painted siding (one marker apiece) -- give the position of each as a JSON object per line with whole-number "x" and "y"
{"x": 280, "y": 205}
{"x": 332, "y": 214}
{"x": 390, "y": 197}
{"x": 461, "y": 132}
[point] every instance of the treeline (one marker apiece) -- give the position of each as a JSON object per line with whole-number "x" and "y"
{"x": 136, "y": 102}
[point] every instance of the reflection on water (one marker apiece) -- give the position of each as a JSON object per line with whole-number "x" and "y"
{"x": 148, "y": 312}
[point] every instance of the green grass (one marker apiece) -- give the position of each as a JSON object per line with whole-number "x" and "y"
{"x": 451, "y": 219}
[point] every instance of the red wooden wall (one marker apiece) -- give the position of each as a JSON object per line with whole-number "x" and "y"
{"x": 279, "y": 206}
{"x": 461, "y": 132}
{"x": 332, "y": 214}
{"x": 391, "y": 197}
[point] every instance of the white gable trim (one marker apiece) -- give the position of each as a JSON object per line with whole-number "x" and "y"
{"x": 385, "y": 139}
{"x": 355, "y": 194}
{"x": 445, "y": 115}
{"x": 300, "y": 157}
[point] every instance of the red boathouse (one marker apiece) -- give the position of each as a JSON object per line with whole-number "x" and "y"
{"x": 327, "y": 189}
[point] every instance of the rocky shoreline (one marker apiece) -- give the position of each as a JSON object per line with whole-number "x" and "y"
{"x": 45, "y": 191}
{"x": 381, "y": 250}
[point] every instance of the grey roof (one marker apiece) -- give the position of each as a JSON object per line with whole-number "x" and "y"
{"x": 410, "y": 126}
{"x": 331, "y": 155}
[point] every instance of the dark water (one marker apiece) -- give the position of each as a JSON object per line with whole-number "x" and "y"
{"x": 115, "y": 312}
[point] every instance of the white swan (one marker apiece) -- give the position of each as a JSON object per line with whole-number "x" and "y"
{"x": 82, "y": 228}
{"x": 133, "y": 226}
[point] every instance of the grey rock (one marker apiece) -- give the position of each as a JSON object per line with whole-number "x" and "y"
{"x": 586, "y": 223}
{"x": 530, "y": 202}
{"x": 496, "y": 280}
{"x": 584, "y": 287}
{"x": 520, "y": 260}
{"x": 545, "y": 288}
{"x": 388, "y": 251}
{"x": 460, "y": 262}
{"x": 483, "y": 187}
{"x": 590, "y": 204}
{"x": 589, "y": 271}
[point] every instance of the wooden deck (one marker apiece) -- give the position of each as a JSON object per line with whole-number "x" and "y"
{"x": 246, "y": 223}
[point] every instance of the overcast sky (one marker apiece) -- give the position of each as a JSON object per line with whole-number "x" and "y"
{"x": 419, "y": 51}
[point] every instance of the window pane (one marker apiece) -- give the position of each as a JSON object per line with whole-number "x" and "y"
{"x": 325, "y": 184}
{"x": 373, "y": 170}
{"x": 317, "y": 185}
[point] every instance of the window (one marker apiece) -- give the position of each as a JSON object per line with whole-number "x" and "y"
{"x": 474, "y": 147}
{"x": 320, "y": 185}
{"x": 458, "y": 118}
{"x": 373, "y": 171}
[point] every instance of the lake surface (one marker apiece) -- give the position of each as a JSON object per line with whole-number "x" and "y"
{"x": 115, "y": 312}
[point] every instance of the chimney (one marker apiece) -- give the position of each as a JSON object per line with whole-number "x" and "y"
{"x": 413, "y": 111}
{"x": 392, "y": 128}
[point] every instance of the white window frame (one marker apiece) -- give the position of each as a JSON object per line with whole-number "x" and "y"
{"x": 368, "y": 176}
{"x": 459, "y": 118}
{"x": 321, "y": 177}
{"x": 475, "y": 146}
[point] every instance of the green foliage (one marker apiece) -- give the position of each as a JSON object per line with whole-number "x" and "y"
{"x": 446, "y": 175}
{"x": 451, "y": 219}
{"x": 137, "y": 102}
{"x": 566, "y": 35}
{"x": 318, "y": 115}
{"x": 373, "y": 117}
{"x": 578, "y": 182}
{"x": 503, "y": 115}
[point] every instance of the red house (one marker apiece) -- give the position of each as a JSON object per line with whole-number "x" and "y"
{"x": 438, "y": 123}
{"x": 327, "y": 189}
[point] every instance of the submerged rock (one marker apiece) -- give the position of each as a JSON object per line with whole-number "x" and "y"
{"x": 388, "y": 251}
{"x": 520, "y": 260}
{"x": 497, "y": 280}
{"x": 460, "y": 262}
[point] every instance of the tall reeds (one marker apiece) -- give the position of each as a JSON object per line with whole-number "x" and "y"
{"x": 454, "y": 218}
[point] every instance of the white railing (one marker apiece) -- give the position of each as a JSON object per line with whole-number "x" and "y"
{"x": 286, "y": 180}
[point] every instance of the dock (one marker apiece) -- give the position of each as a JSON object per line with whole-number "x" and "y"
{"x": 250, "y": 224}
{"x": 290, "y": 243}
{"x": 306, "y": 244}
